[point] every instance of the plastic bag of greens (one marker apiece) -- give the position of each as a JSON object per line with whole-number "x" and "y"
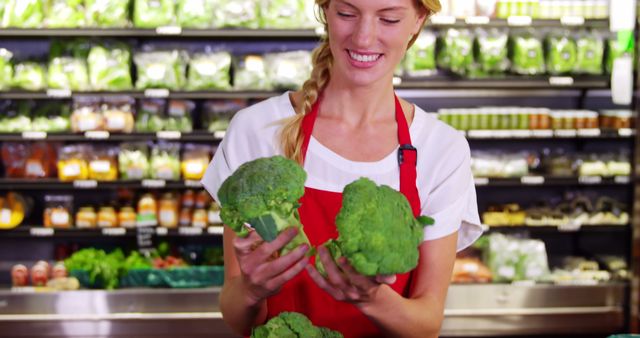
{"x": 590, "y": 53}
{"x": 249, "y": 73}
{"x": 52, "y": 117}
{"x": 179, "y": 116}
{"x": 165, "y": 161}
{"x": 29, "y": 76}
{"x": 68, "y": 73}
{"x": 209, "y": 71}
{"x": 420, "y": 59}
{"x": 150, "y": 117}
{"x": 562, "y": 53}
{"x": 288, "y": 70}
{"x": 614, "y": 51}
{"x": 195, "y": 13}
{"x": 15, "y": 116}
{"x": 3, "y": 5}
{"x": 23, "y": 13}
{"x": 133, "y": 161}
{"x": 236, "y": 13}
{"x": 65, "y": 14}
{"x": 456, "y": 54}
{"x": 528, "y": 54}
{"x": 282, "y": 14}
{"x": 6, "y": 69}
{"x": 532, "y": 260}
{"x": 502, "y": 256}
{"x": 107, "y": 13}
{"x": 110, "y": 68}
{"x": 161, "y": 69}
{"x": 492, "y": 51}
{"x": 153, "y": 13}
{"x": 218, "y": 113}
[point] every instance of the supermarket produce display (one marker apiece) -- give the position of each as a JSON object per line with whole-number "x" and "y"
{"x": 110, "y": 112}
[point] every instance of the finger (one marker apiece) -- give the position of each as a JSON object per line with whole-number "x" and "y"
{"x": 324, "y": 284}
{"x": 277, "y": 282}
{"x": 334, "y": 275}
{"x": 278, "y": 266}
{"x": 386, "y": 279}
{"x": 247, "y": 244}
{"x": 267, "y": 249}
{"x": 354, "y": 277}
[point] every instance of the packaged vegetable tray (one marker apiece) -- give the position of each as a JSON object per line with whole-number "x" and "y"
{"x": 182, "y": 277}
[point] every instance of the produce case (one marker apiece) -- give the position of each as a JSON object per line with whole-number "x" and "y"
{"x": 448, "y": 86}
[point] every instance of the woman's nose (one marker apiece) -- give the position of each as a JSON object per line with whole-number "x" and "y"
{"x": 365, "y": 33}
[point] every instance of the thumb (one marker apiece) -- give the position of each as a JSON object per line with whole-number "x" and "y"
{"x": 386, "y": 279}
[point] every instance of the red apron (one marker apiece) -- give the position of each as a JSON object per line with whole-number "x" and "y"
{"x": 317, "y": 212}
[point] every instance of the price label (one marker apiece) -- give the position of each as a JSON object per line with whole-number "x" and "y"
{"x": 41, "y": 232}
{"x": 397, "y": 80}
{"x": 193, "y": 184}
{"x": 570, "y": 227}
{"x": 154, "y": 184}
{"x": 590, "y": 179}
{"x": 567, "y": 133}
{"x": 157, "y": 93}
{"x": 532, "y": 180}
{"x": 85, "y": 184}
{"x": 215, "y": 230}
{"x": 546, "y": 133}
{"x": 572, "y": 20}
{"x": 625, "y": 132}
{"x": 219, "y": 134}
{"x": 169, "y": 135}
{"x": 320, "y": 31}
{"x": 561, "y": 81}
{"x": 481, "y": 181}
{"x": 480, "y": 134}
{"x": 145, "y": 238}
{"x": 34, "y": 135}
{"x": 519, "y": 21}
{"x": 162, "y": 231}
{"x": 114, "y": 231}
{"x": 169, "y": 30}
{"x": 477, "y": 20}
{"x": 5, "y": 216}
{"x": 622, "y": 179}
{"x": 96, "y": 135}
{"x": 189, "y": 231}
{"x": 521, "y": 133}
{"x": 443, "y": 20}
{"x": 593, "y": 132}
{"x": 59, "y": 93}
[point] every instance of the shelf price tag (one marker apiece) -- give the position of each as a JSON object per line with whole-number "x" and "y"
{"x": 480, "y": 134}
{"x": 97, "y": 135}
{"x": 572, "y": 20}
{"x": 192, "y": 184}
{"x": 154, "y": 184}
{"x": 566, "y": 133}
{"x": 145, "y": 238}
{"x": 561, "y": 81}
{"x": 162, "y": 231}
{"x": 189, "y": 231}
{"x": 59, "y": 93}
{"x": 590, "y": 179}
{"x": 625, "y": 132}
{"x": 34, "y": 135}
{"x": 477, "y": 20}
{"x": 215, "y": 230}
{"x": 622, "y": 179}
{"x": 320, "y": 31}
{"x": 570, "y": 227}
{"x": 85, "y": 184}
{"x": 169, "y": 135}
{"x": 532, "y": 180}
{"x": 519, "y": 21}
{"x": 593, "y": 132}
{"x": 481, "y": 181}
{"x": 443, "y": 20}
{"x": 169, "y": 30}
{"x": 114, "y": 231}
{"x": 521, "y": 133}
{"x": 157, "y": 93}
{"x": 397, "y": 80}
{"x": 545, "y": 133}
{"x": 41, "y": 232}
{"x": 219, "y": 134}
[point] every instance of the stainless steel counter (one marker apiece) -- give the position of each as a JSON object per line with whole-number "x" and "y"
{"x": 472, "y": 310}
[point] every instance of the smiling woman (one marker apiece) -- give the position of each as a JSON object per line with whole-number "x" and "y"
{"x": 346, "y": 123}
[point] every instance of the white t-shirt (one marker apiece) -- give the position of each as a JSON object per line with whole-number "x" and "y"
{"x": 445, "y": 182}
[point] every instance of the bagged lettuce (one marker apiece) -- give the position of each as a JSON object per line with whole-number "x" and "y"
{"x": 179, "y": 114}
{"x": 562, "y": 53}
{"x": 420, "y": 59}
{"x": 209, "y": 71}
{"x": 52, "y": 117}
{"x": 249, "y": 73}
{"x": 29, "y": 76}
{"x": 68, "y": 73}
{"x": 107, "y": 13}
{"x": 6, "y": 69}
{"x": 528, "y": 54}
{"x": 161, "y": 69}
{"x": 153, "y": 13}
{"x": 614, "y": 51}
{"x": 590, "y": 56}
{"x": 288, "y": 70}
{"x": 110, "y": 68}
{"x": 236, "y": 13}
{"x": 23, "y": 13}
{"x": 282, "y": 14}
{"x": 195, "y": 13}
{"x": 151, "y": 116}
{"x": 492, "y": 51}
{"x": 456, "y": 54}
{"x": 65, "y": 14}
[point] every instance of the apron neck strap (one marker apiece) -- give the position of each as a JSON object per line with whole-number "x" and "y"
{"x": 407, "y": 153}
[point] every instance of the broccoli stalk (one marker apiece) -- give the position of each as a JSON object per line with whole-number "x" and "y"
{"x": 292, "y": 325}
{"x": 264, "y": 193}
{"x": 378, "y": 233}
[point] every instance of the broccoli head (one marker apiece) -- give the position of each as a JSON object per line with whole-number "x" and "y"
{"x": 292, "y": 325}
{"x": 378, "y": 233}
{"x": 264, "y": 193}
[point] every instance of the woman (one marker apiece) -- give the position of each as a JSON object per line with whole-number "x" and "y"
{"x": 346, "y": 123}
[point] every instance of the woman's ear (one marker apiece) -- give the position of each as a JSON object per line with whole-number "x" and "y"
{"x": 421, "y": 18}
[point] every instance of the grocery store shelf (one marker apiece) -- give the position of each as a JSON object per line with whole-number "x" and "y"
{"x": 53, "y": 184}
{"x": 41, "y": 232}
{"x": 479, "y": 21}
{"x": 537, "y": 181}
{"x": 506, "y": 82}
{"x": 163, "y": 32}
{"x": 100, "y": 136}
{"x": 527, "y": 135}
{"x": 139, "y": 94}
{"x": 623, "y": 229}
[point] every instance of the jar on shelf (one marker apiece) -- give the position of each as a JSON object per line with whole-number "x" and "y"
{"x": 147, "y": 211}
{"x": 57, "y": 213}
{"x": 86, "y": 217}
{"x": 127, "y": 217}
{"x": 168, "y": 211}
{"x": 107, "y": 217}
{"x": 592, "y": 120}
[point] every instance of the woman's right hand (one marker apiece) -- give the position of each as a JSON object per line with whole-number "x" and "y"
{"x": 263, "y": 276}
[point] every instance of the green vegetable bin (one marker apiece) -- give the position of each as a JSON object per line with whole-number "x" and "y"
{"x": 187, "y": 277}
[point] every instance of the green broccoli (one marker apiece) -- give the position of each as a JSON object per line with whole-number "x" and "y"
{"x": 294, "y": 325}
{"x": 377, "y": 231}
{"x": 264, "y": 193}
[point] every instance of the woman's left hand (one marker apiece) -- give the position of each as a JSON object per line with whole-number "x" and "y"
{"x": 344, "y": 283}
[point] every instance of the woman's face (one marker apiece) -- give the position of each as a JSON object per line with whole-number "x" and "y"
{"x": 368, "y": 38}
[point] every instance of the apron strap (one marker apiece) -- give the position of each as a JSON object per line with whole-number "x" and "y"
{"x": 407, "y": 153}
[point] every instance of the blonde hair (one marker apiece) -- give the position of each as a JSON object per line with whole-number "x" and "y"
{"x": 291, "y": 136}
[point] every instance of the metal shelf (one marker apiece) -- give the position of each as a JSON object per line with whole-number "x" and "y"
{"x": 162, "y": 32}
{"x": 528, "y": 135}
{"x": 540, "y": 181}
{"x": 567, "y": 22}
{"x": 198, "y": 136}
{"x": 139, "y": 94}
{"x": 552, "y": 229}
{"x": 54, "y": 184}
{"x": 101, "y": 233}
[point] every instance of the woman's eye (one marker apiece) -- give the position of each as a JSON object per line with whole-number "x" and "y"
{"x": 390, "y": 21}
{"x": 345, "y": 15}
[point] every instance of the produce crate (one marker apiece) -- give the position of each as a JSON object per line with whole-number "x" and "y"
{"x": 186, "y": 277}
{"x": 85, "y": 280}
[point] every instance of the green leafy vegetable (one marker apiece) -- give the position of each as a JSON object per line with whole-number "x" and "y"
{"x": 65, "y": 14}
{"x": 420, "y": 59}
{"x": 161, "y": 70}
{"x": 590, "y": 56}
{"x": 195, "y": 13}
{"x": 153, "y": 13}
{"x": 109, "y": 68}
{"x": 456, "y": 54}
{"x": 29, "y": 76}
{"x": 23, "y": 13}
{"x": 492, "y": 51}
{"x": 68, "y": 73}
{"x": 562, "y": 53}
{"x": 292, "y": 325}
{"x": 209, "y": 71}
{"x": 282, "y": 14}
{"x": 6, "y": 69}
{"x": 236, "y": 13}
{"x": 107, "y": 13}
{"x": 528, "y": 55}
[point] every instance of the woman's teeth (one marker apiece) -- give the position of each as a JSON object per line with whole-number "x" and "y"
{"x": 364, "y": 58}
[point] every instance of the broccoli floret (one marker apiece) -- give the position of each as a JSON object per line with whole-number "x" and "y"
{"x": 264, "y": 193}
{"x": 294, "y": 325}
{"x": 377, "y": 230}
